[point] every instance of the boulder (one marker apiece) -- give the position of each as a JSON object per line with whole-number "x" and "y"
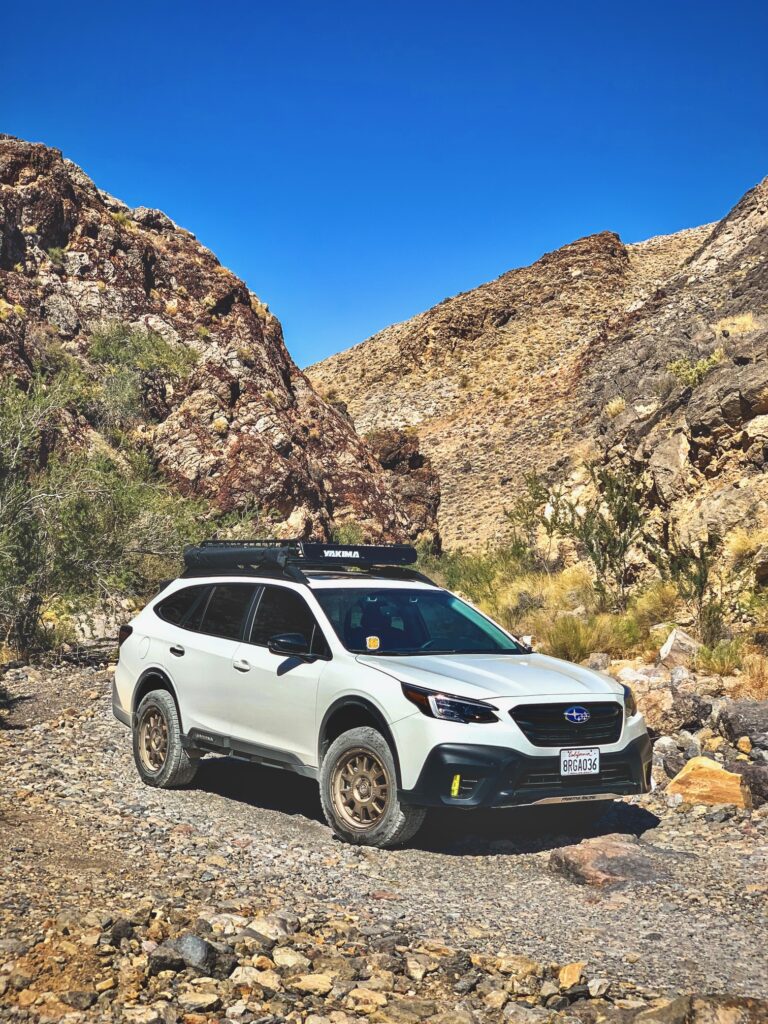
{"x": 668, "y": 710}
{"x": 755, "y": 777}
{"x": 679, "y": 648}
{"x": 746, "y": 718}
{"x": 703, "y": 781}
{"x": 609, "y": 860}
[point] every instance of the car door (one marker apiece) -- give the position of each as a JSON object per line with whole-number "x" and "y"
{"x": 200, "y": 660}
{"x": 280, "y": 712}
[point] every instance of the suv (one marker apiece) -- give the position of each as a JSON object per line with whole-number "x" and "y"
{"x": 344, "y": 665}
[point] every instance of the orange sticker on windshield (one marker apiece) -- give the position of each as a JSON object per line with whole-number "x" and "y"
{"x": 372, "y": 643}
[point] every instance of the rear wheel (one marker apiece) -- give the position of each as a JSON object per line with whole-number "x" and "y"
{"x": 358, "y": 792}
{"x": 160, "y": 758}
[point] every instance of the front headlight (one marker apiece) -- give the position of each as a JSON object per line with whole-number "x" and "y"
{"x": 630, "y": 704}
{"x": 448, "y": 708}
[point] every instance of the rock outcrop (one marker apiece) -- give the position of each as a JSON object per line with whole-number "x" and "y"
{"x": 245, "y": 429}
{"x": 654, "y": 354}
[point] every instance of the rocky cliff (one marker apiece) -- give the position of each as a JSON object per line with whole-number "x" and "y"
{"x": 569, "y": 358}
{"x": 245, "y": 428}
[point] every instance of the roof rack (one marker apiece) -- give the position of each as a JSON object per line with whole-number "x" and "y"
{"x": 288, "y": 559}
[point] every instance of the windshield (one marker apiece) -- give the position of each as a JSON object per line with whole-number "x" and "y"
{"x": 369, "y": 621}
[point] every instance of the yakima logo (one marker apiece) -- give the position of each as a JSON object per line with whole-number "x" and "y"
{"x": 340, "y": 553}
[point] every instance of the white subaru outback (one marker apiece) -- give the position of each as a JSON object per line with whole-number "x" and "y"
{"x": 346, "y": 666}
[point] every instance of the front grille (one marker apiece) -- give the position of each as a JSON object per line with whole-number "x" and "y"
{"x": 550, "y": 778}
{"x": 545, "y": 725}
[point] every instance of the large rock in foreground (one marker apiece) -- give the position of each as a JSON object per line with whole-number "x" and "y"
{"x": 703, "y": 781}
{"x": 609, "y": 860}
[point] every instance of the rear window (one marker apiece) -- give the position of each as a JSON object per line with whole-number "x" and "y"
{"x": 226, "y": 610}
{"x": 177, "y": 607}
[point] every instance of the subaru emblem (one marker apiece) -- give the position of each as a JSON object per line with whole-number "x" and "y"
{"x": 576, "y": 715}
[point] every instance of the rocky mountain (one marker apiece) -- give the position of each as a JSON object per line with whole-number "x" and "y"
{"x": 652, "y": 352}
{"x": 245, "y": 428}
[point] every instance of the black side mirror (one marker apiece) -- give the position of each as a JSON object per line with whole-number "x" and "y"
{"x": 290, "y": 645}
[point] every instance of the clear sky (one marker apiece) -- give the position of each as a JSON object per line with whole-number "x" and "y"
{"x": 356, "y": 162}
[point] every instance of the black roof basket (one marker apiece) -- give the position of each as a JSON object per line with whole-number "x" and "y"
{"x": 287, "y": 558}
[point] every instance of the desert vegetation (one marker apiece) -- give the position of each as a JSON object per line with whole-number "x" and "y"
{"x": 88, "y": 521}
{"x": 592, "y": 574}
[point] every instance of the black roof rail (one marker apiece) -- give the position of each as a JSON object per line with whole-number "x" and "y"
{"x": 287, "y": 559}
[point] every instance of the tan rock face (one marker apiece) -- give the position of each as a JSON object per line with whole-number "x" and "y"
{"x": 246, "y": 429}
{"x": 703, "y": 781}
{"x": 571, "y": 356}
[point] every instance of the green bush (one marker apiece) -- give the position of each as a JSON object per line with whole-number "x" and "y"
{"x": 348, "y": 533}
{"x": 692, "y": 374}
{"x": 723, "y": 659}
{"x": 118, "y": 344}
{"x": 81, "y": 525}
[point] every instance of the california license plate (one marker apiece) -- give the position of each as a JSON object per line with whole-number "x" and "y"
{"x": 582, "y": 761}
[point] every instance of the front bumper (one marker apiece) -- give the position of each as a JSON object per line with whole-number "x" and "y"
{"x": 501, "y": 777}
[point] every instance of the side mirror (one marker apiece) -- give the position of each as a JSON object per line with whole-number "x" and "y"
{"x": 527, "y": 640}
{"x": 289, "y": 645}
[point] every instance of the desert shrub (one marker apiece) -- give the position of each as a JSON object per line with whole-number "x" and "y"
{"x": 56, "y": 255}
{"x": 574, "y": 638}
{"x": 605, "y": 528}
{"x": 753, "y": 682}
{"x": 566, "y": 637}
{"x": 348, "y": 533}
{"x": 690, "y": 373}
{"x": 742, "y": 545}
{"x": 691, "y": 568}
{"x": 117, "y": 344}
{"x": 722, "y": 660}
{"x": 654, "y": 605}
{"x": 82, "y": 524}
{"x": 615, "y": 407}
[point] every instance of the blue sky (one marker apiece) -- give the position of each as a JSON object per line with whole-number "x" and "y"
{"x": 358, "y": 162}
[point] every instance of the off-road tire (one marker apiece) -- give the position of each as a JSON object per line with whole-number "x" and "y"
{"x": 168, "y": 768}
{"x": 392, "y": 823}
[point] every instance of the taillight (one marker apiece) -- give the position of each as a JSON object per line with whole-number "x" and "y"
{"x": 122, "y": 636}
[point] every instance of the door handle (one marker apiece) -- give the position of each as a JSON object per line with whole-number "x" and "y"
{"x": 178, "y": 651}
{"x": 242, "y": 665}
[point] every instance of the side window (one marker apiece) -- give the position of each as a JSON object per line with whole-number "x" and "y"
{"x": 284, "y": 611}
{"x": 177, "y": 607}
{"x": 227, "y": 609}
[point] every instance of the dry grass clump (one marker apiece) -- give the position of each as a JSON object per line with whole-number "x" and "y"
{"x": 722, "y": 660}
{"x": 752, "y": 681}
{"x": 744, "y": 544}
{"x": 615, "y": 407}
{"x": 742, "y": 324}
{"x": 574, "y": 639}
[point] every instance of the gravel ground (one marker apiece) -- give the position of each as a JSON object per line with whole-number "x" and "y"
{"x": 80, "y": 830}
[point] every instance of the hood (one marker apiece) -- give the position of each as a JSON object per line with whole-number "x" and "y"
{"x": 495, "y": 675}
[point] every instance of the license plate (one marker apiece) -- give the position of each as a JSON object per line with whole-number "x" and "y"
{"x": 582, "y": 761}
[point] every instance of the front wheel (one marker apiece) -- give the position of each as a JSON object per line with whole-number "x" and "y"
{"x": 160, "y": 758}
{"x": 358, "y": 792}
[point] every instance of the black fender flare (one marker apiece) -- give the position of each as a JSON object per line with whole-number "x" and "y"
{"x": 154, "y": 673}
{"x": 360, "y": 703}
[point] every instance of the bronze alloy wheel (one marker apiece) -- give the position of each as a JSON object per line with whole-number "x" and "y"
{"x": 360, "y": 788}
{"x": 153, "y": 740}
